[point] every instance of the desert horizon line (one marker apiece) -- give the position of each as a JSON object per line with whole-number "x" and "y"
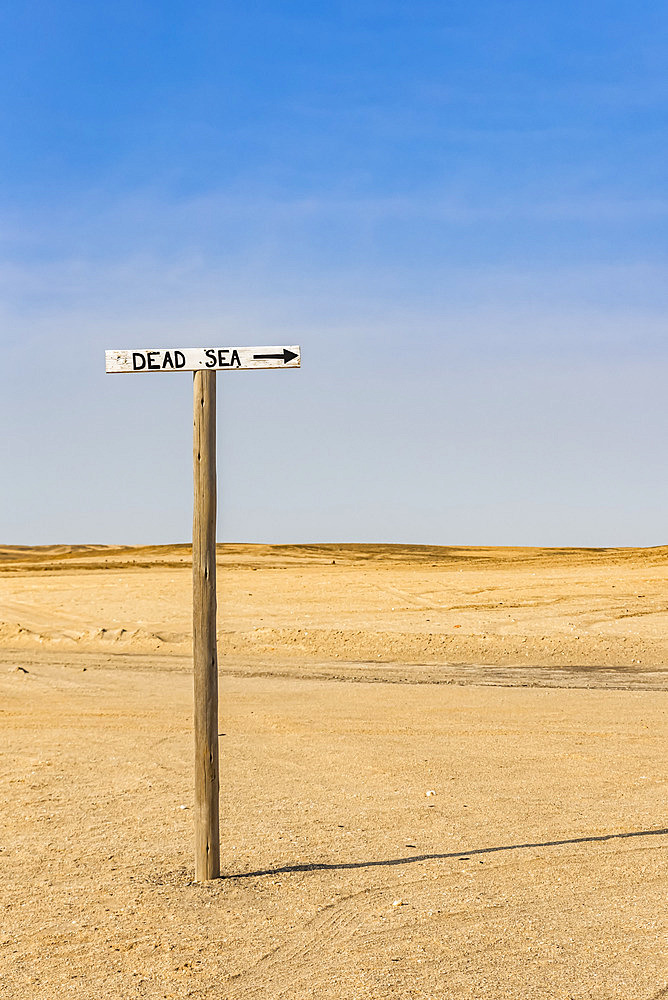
{"x": 335, "y": 544}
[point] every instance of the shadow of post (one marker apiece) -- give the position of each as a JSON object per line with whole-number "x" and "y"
{"x": 414, "y": 858}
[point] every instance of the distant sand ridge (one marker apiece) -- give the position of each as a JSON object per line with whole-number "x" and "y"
{"x": 371, "y": 603}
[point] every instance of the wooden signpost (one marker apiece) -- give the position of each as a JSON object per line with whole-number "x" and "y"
{"x": 204, "y": 362}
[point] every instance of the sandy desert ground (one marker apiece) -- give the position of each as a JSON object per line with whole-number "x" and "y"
{"x": 443, "y": 775}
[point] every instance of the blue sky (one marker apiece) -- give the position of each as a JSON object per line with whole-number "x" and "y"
{"x": 458, "y": 210}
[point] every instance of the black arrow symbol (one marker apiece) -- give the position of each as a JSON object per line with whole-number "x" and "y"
{"x": 285, "y": 354}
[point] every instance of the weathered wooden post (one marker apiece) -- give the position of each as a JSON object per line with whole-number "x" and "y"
{"x": 205, "y": 653}
{"x": 204, "y": 362}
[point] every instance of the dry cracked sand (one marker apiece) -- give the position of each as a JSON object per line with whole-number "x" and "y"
{"x": 442, "y": 775}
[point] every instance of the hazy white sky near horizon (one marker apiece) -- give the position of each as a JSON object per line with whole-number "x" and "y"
{"x": 459, "y": 213}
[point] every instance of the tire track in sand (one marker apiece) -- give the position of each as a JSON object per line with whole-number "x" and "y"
{"x": 334, "y": 924}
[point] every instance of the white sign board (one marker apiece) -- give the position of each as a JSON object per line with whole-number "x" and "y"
{"x": 192, "y": 359}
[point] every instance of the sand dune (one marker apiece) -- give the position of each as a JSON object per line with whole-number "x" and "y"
{"x": 372, "y": 603}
